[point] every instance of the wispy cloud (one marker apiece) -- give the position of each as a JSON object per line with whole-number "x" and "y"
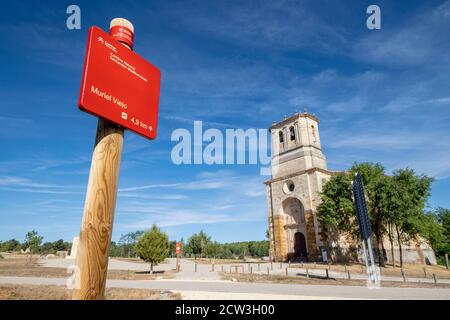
{"x": 20, "y": 184}
{"x": 417, "y": 42}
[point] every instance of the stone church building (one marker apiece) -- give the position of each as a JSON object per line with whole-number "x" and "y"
{"x": 299, "y": 170}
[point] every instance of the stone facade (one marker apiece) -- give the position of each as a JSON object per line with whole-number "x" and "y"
{"x": 299, "y": 170}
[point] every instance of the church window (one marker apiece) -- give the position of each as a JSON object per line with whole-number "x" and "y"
{"x": 280, "y": 134}
{"x": 292, "y": 133}
{"x": 314, "y": 134}
{"x": 288, "y": 187}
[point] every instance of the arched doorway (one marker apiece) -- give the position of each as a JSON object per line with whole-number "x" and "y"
{"x": 300, "y": 245}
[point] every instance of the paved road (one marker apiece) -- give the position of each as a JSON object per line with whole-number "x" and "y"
{"x": 217, "y": 288}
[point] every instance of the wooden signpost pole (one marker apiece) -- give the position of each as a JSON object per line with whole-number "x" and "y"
{"x": 98, "y": 214}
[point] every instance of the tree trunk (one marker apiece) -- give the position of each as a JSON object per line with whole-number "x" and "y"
{"x": 399, "y": 246}
{"x": 378, "y": 237}
{"x": 379, "y": 253}
{"x": 391, "y": 240}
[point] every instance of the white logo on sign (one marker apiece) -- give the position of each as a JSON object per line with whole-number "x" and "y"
{"x": 124, "y": 115}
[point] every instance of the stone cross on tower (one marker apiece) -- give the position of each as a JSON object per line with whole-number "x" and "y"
{"x": 299, "y": 170}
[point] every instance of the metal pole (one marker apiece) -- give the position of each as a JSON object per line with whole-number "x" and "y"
{"x": 374, "y": 270}
{"x": 366, "y": 260}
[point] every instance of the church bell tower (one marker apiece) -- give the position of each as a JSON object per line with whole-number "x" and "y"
{"x": 299, "y": 170}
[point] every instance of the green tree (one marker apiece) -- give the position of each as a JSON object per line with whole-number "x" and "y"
{"x": 437, "y": 231}
{"x": 405, "y": 204}
{"x": 115, "y": 250}
{"x": 259, "y": 248}
{"x": 127, "y": 243}
{"x": 32, "y": 241}
{"x": 60, "y": 245}
{"x": 443, "y": 216}
{"x": 336, "y": 210}
{"x": 172, "y": 247}
{"x": 153, "y": 246}
{"x": 212, "y": 249}
{"x": 395, "y": 204}
{"x": 197, "y": 243}
{"x": 10, "y": 245}
{"x": 433, "y": 231}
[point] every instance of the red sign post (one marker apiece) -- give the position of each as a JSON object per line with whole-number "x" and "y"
{"x": 122, "y": 89}
{"x": 178, "y": 252}
{"x": 118, "y": 84}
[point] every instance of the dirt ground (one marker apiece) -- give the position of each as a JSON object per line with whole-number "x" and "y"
{"x": 242, "y": 277}
{"x": 410, "y": 270}
{"x": 39, "y": 292}
{"x": 24, "y": 266}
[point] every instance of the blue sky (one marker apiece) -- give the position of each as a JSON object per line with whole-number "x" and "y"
{"x": 381, "y": 95}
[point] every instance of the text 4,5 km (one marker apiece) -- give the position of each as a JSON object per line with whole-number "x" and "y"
{"x": 137, "y": 122}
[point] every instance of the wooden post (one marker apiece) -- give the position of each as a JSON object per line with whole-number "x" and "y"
{"x": 435, "y": 278}
{"x": 221, "y": 268}
{"x": 196, "y": 267}
{"x": 425, "y": 271}
{"x": 286, "y": 272}
{"x": 251, "y": 270}
{"x": 307, "y": 273}
{"x": 98, "y": 214}
{"x": 271, "y": 265}
{"x": 345, "y": 267}
{"x": 446, "y": 260}
{"x": 348, "y": 274}
{"x": 267, "y": 270}
{"x": 259, "y": 269}
{"x": 326, "y": 272}
{"x": 403, "y": 275}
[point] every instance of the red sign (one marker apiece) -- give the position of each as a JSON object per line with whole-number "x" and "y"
{"x": 119, "y": 85}
{"x": 178, "y": 248}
